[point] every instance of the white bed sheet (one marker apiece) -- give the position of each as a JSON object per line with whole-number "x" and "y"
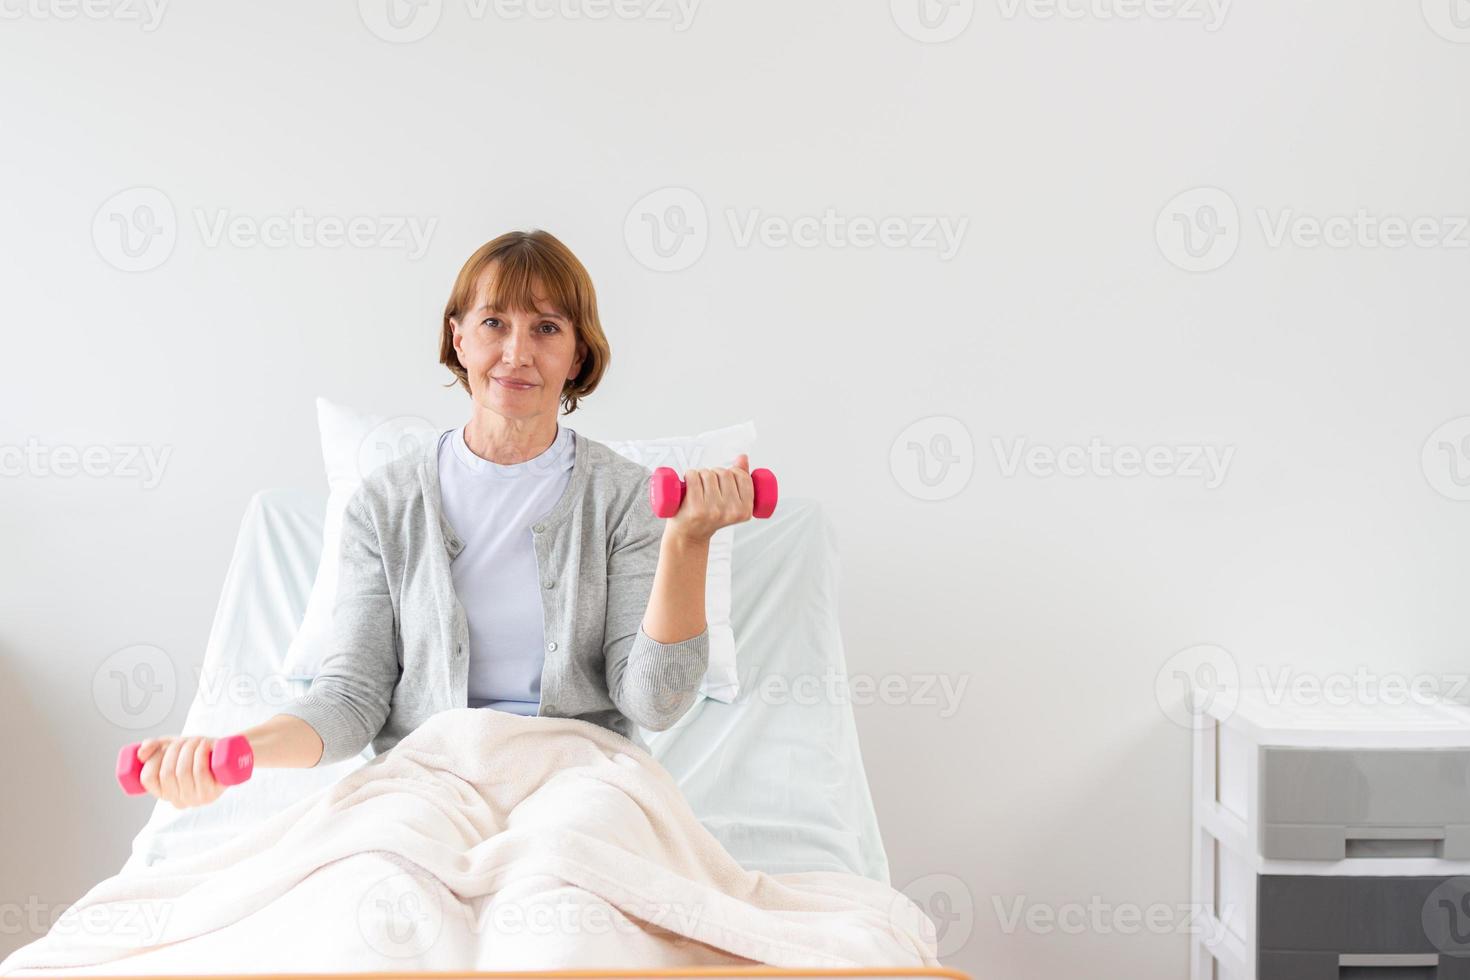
{"x": 777, "y": 779}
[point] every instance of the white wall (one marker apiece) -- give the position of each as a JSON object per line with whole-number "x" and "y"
{"x": 1060, "y": 142}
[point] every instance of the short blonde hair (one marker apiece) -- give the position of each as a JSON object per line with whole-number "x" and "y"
{"x": 527, "y": 261}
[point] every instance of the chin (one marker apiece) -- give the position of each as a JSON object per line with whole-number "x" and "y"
{"x": 504, "y": 403}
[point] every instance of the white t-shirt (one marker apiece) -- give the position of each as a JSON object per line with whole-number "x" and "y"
{"x": 492, "y": 507}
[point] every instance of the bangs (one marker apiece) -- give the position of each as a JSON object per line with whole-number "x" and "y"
{"x": 518, "y": 274}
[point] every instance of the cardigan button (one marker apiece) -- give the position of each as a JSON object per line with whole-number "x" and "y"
{"x": 549, "y": 584}
{"x": 539, "y": 528}
{"x": 551, "y": 646}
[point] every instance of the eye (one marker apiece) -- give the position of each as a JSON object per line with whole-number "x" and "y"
{"x": 490, "y": 322}
{"x": 554, "y": 327}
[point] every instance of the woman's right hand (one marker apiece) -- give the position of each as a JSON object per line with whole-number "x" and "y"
{"x": 176, "y": 769}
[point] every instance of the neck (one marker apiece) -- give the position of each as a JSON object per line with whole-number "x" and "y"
{"x": 508, "y": 441}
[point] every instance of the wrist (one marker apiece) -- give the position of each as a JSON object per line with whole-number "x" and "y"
{"x": 684, "y": 544}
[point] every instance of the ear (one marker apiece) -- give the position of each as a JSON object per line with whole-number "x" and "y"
{"x": 456, "y": 338}
{"x": 577, "y": 364}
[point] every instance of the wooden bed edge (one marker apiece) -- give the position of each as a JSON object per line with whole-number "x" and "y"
{"x": 693, "y": 972}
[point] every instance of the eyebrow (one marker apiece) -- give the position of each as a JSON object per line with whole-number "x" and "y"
{"x": 491, "y": 308}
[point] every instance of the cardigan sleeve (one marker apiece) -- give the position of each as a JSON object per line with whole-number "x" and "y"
{"x": 349, "y": 698}
{"x": 652, "y": 683}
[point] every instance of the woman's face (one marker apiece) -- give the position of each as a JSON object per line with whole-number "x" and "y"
{"x": 499, "y": 348}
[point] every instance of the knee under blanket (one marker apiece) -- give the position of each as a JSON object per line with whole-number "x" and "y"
{"x": 487, "y": 841}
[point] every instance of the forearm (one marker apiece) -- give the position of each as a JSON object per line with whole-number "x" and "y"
{"x": 284, "y": 742}
{"x": 676, "y": 604}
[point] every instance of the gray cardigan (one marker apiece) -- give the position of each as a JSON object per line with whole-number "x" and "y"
{"x": 400, "y": 639}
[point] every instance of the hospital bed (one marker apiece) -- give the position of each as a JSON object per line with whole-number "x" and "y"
{"x": 777, "y": 779}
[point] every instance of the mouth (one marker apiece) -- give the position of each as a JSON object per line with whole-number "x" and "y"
{"x": 513, "y": 385}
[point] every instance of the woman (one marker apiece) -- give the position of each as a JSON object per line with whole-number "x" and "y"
{"x": 515, "y": 565}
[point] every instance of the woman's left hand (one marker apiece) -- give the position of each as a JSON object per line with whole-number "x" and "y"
{"x": 714, "y": 498}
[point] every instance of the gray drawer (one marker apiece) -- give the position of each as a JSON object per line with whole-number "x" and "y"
{"x": 1329, "y": 804}
{"x": 1319, "y": 927}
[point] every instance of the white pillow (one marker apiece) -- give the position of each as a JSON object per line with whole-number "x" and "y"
{"x": 355, "y": 443}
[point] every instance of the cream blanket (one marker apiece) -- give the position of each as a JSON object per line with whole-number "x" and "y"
{"x": 482, "y": 841}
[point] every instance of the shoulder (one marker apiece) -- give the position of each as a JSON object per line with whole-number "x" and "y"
{"x": 393, "y": 488}
{"x": 617, "y": 486}
{"x": 610, "y": 467}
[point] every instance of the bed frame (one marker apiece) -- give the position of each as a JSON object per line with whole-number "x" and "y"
{"x": 893, "y": 973}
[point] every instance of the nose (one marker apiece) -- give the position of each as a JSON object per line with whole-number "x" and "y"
{"x": 516, "y": 349}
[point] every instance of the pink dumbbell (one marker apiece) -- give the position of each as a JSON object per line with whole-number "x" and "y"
{"x": 666, "y": 492}
{"x": 230, "y": 762}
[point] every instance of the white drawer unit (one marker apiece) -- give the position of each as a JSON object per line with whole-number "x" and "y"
{"x": 1331, "y": 842}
